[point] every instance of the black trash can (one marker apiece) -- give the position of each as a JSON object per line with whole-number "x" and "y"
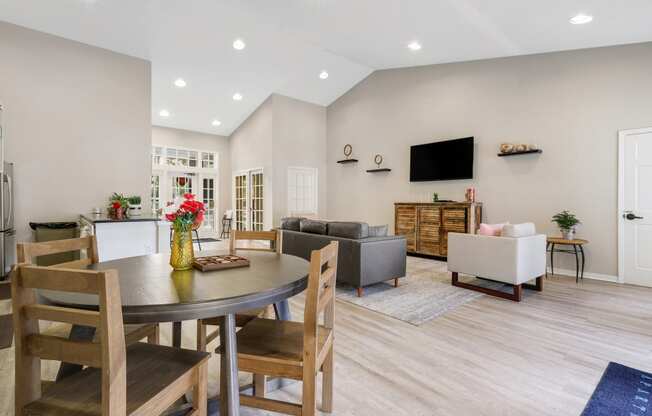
{"x": 49, "y": 231}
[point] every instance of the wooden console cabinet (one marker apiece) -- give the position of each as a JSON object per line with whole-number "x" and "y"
{"x": 426, "y": 224}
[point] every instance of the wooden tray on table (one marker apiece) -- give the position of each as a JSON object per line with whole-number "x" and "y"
{"x": 221, "y": 262}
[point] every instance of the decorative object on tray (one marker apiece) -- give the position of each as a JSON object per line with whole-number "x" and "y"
{"x": 509, "y": 149}
{"x": 184, "y": 214}
{"x": 118, "y": 206}
{"x": 348, "y": 151}
{"x": 135, "y": 207}
{"x": 220, "y": 262}
{"x": 435, "y": 197}
{"x": 470, "y": 195}
{"x": 566, "y": 222}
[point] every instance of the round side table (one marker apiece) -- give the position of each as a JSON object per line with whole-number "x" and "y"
{"x": 576, "y": 243}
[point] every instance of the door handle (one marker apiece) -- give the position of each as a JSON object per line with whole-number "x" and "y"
{"x": 629, "y": 216}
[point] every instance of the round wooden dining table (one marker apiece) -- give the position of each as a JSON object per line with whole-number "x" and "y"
{"x": 151, "y": 292}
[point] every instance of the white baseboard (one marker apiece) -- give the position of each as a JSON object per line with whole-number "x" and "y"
{"x": 588, "y": 275}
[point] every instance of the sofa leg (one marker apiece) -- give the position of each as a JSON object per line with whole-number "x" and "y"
{"x": 538, "y": 286}
{"x": 396, "y": 282}
{"x": 455, "y": 278}
{"x": 518, "y": 293}
{"x": 360, "y": 291}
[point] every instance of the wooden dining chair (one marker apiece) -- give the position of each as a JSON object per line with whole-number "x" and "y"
{"x": 273, "y": 237}
{"x": 28, "y": 253}
{"x": 293, "y": 349}
{"x": 157, "y": 375}
{"x": 6, "y": 320}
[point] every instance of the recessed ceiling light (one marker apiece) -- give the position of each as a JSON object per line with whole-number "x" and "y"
{"x": 239, "y": 44}
{"x": 581, "y": 19}
{"x": 414, "y": 46}
{"x": 323, "y": 75}
{"x": 216, "y": 123}
{"x": 237, "y": 96}
{"x": 180, "y": 82}
{"x": 164, "y": 113}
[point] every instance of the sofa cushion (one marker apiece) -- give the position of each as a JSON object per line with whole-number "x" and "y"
{"x": 492, "y": 229}
{"x": 313, "y": 226}
{"x": 519, "y": 230}
{"x": 378, "y": 230}
{"x": 291, "y": 223}
{"x": 352, "y": 230}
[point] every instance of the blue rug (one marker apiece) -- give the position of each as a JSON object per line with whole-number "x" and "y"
{"x": 622, "y": 391}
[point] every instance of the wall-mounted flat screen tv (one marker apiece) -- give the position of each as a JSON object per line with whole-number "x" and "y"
{"x": 441, "y": 161}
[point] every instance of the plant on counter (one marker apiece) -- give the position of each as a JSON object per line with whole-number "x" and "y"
{"x": 566, "y": 222}
{"x": 118, "y": 207}
{"x": 135, "y": 208}
{"x": 185, "y": 215}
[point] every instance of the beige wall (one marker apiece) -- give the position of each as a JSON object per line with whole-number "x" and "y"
{"x": 251, "y": 148}
{"x": 77, "y": 124}
{"x": 299, "y": 141}
{"x": 164, "y": 136}
{"x": 571, "y": 104}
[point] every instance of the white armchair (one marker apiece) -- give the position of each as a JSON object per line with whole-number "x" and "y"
{"x": 510, "y": 260}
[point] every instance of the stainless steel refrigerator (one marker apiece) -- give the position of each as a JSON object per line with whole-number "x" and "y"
{"x": 7, "y": 231}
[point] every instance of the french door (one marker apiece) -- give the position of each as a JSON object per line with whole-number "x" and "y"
{"x": 249, "y": 197}
{"x": 635, "y": 207}
{"x": 203, "y": 186}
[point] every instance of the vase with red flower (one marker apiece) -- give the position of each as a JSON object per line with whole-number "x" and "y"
{"x": 118, "y": 206}
{"x": 184, "y": 215}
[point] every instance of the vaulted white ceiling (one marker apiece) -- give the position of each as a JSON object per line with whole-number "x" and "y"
{"x": 289, "y": 42}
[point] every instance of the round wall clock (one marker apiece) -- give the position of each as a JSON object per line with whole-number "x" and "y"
{"x": 378, "y": 159}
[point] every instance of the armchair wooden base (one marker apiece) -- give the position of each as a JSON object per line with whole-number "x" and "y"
{"x": 517, "y": 290}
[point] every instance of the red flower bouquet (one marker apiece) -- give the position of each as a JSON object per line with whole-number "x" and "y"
{"x": 186, "y": 214}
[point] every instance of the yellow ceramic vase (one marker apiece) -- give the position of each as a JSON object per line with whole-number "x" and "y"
{"x": 182, "y": 253}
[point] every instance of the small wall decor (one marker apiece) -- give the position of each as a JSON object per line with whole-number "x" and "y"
{"x": 510, "y": 149}
{"x": 348, "y": 151}
{"x": 378, "y": 160}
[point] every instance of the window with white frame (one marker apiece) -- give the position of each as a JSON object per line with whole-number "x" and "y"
{"x": 302, "y": 191}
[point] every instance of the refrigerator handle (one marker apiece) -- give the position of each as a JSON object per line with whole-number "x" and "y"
{"x": 10, "y": 193}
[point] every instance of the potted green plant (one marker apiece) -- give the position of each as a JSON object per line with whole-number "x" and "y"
{"x": 118, "y": 206}
{"x": 566, "y": 222}
{"x": 135, "y": 207}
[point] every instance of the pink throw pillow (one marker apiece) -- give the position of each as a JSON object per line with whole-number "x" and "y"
{"x": 494, "y": 230}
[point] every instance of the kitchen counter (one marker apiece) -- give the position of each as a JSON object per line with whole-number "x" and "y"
{"x": 135, "y": 236}
{"x": 102, "y": 218}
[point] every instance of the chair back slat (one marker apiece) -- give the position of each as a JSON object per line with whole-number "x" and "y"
{"x": 67, "y": 280}
{"x": 49, "y": 347}
{"x": 320, "y": 296}
{"x": 75, "y": 264}
{"x": 58, "y": 314}
{"x": 27, "y": 252}
{"x": 109, "y": 354}
{"x": 272, "y": 236}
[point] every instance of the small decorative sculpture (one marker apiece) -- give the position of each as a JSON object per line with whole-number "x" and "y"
{"x": 378, "y": 160}
{"x": 520, "y": 148}
{"x": 348, "y": 150}
{"x": 506, "y": 148}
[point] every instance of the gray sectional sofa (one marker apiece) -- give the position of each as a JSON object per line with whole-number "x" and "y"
{"x": 367, "y": 255}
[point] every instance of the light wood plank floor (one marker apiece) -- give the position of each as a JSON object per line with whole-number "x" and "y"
{"x": 543, "y": 356}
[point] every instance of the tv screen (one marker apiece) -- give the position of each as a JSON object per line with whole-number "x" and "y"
{"x": 440, "y": 161}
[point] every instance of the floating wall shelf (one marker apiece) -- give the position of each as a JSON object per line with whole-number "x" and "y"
{"x": 520, "y": 153}
{"x": 379, "y": 170}
{"x": 348, "y": 161}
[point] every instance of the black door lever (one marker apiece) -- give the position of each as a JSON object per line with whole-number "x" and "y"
{"x": 631, "y": 217}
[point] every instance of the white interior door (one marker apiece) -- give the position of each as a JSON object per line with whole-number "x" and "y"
{"x": 241, "y": 201}
{"x": 248, "y": 200}
{"x": 635, "y": 206}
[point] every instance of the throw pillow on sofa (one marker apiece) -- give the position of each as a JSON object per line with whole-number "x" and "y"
{"x": 313, "y": 226}
{"x": 519, "y": 230}
{"x": 494, "y": 230}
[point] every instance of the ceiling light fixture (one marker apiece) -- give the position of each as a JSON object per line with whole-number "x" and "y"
{"x": 216, "y": 123}
{"x": 581, "y": 19}
{"x": 164, "y": 113}
{"x": 239, "y": 44}
{"x": 323, "y": 75}
{"x": 237, "y": 96}
{"x": 414, "y": 46}
{"x": 180, "y": 82}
